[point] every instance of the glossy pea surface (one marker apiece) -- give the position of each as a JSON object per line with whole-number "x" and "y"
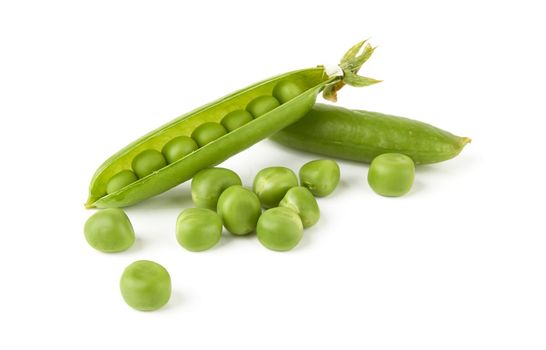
{"x": 178, "y": 147}
{"x": 145, "y": 285}
{"x": 198, "y": 229}
{"x": 279, "y": 229}
{"x": 320, "y": 176}
{"x": 239, "y": 209}
{"x": 271, "y": 184}
{"x": 148, "y": 161}
{"x": 302, "y": 201}
{"x": 236, "y": 119}
{"x": 208, "y": 184}
{"x": 391, "y": 174}
{"x": 261, "y": 105}
{"x": 208, "y": 132}
{"x": 120, "y": 180}
{"x": 286, "y": 90}
{"x": 109, "y": 230}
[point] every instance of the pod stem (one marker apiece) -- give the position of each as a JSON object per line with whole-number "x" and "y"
{"x": 351, "y": 63}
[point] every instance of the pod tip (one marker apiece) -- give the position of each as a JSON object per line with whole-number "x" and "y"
{"x": 466, "y": 140}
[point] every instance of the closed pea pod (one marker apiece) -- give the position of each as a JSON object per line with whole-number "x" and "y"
{"x": 361, "y": 136}
{"x": 239, "y": 209}
{"x": 312, "y": 81}
{"x": 301, "y": 200}
{"x": 320, "y": 176}
{"x": 208, "y": 184}
{"x": 271, "y": 184}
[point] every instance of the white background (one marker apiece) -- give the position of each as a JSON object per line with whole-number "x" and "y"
{"x": 458, "y": 263}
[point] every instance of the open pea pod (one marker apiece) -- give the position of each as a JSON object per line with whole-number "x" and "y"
{"x": 310, "y": 83}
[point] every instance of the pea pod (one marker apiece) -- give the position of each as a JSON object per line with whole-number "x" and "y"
{"x": 312, "y": 81}
{"x": 361, "y": 136}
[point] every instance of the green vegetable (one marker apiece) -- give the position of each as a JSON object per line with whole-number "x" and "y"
{"x": 236, "y": 119}
{"x": 208, "y": 132}
{"x": 239, "y": 210}
{"x": 301, "y": 200}
{"x": 148, "y": 161}
{"x": 391, "y": 174}
{"x": 120, "y": 180}
{"x": 177, "y": 148}
{"x": 279, "y": 229}
{"x": 208, "y": 184}
{"x": 198, "y": 229}
{"x": 261, "y": 105}
{"x": 312, "y": 81}
{"x": 286, "y": 90}
{"x": 145, "y": 285}
{"x": 362, "y": 136}
{"x": 271, "y": 184}
{"x": 109, "y": 231}
{"x": 320, "y": 176}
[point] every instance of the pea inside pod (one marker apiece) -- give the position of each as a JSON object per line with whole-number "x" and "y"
{"x": 257, "y": 99}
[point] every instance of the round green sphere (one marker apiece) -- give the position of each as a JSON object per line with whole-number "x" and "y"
{"x": 236, "y": 119}
{"x": 391, "y": 174}
{"x": 286, "y": 90}
{"x": 279, "y": 229}
{"x": 239, "y": 209}
{"x": 320, "y": 176}
{"x": 301, "y": 200}
{"x": 178, "y": 147}
{"x": 208, "y": 132}
{"x": 271, "y": 184}
{"x": 261, "y": 105}
{"x": 208, "y": 184}
{"x": 145, "y": 285}
{"x": 120, "y": 180}
{"x": 148, "y": 161}
{"x": 198, "y": 229}
{"x": 109, "y": 230}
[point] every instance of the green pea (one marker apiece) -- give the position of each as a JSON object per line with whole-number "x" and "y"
{"x": 178, "y": 147}
{"x": 271, "y": 184}
{"x": 261, "y": 105}
{"x": 145, "y": 285}
{"x": 239, "y": 209}
{"x": 301, "y": 200}
{"x": 198, "y": 229}
{"x": 236, "y": 119}
{"x": 148, "y": 161}
{"x": 208, "y": 132}
{"x": 120, "y": 180}
{"x": 279, "y": 229}
{"x": 320, "y": 176}
{"x": 286, "y": 90}
{"x": 391, "y": 174}
{"x": 109, "y": 231}
{"x": 208, "y": 184}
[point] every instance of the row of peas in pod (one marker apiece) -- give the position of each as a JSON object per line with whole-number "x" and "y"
{"x": 290, "y": 205}
{"x": 151, "y": 160}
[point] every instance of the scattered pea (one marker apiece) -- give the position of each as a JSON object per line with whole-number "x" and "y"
{"x": 286, "y": 90}
{"x": 208, "y": 132}
{"x": 271, "y": 184}
{"x": 178, "y": 147}
{"x": 109, "y": 230}
{"x": 261, "y": 105}
{"x": 208, "y": 184}
{"x": 236, "y": 119}
{"x": 239, "y": 209}
{"x": 198, "y": 229}
{"x": 279, "y": 229}
{"x": 145, "y": 285}
{"x": 148, "y": 161}
{"x": 301, "y": 200}
{"x": 120, "y": 180}
{"x": 320, "y": 176}
{"x": 391, "y": 174}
